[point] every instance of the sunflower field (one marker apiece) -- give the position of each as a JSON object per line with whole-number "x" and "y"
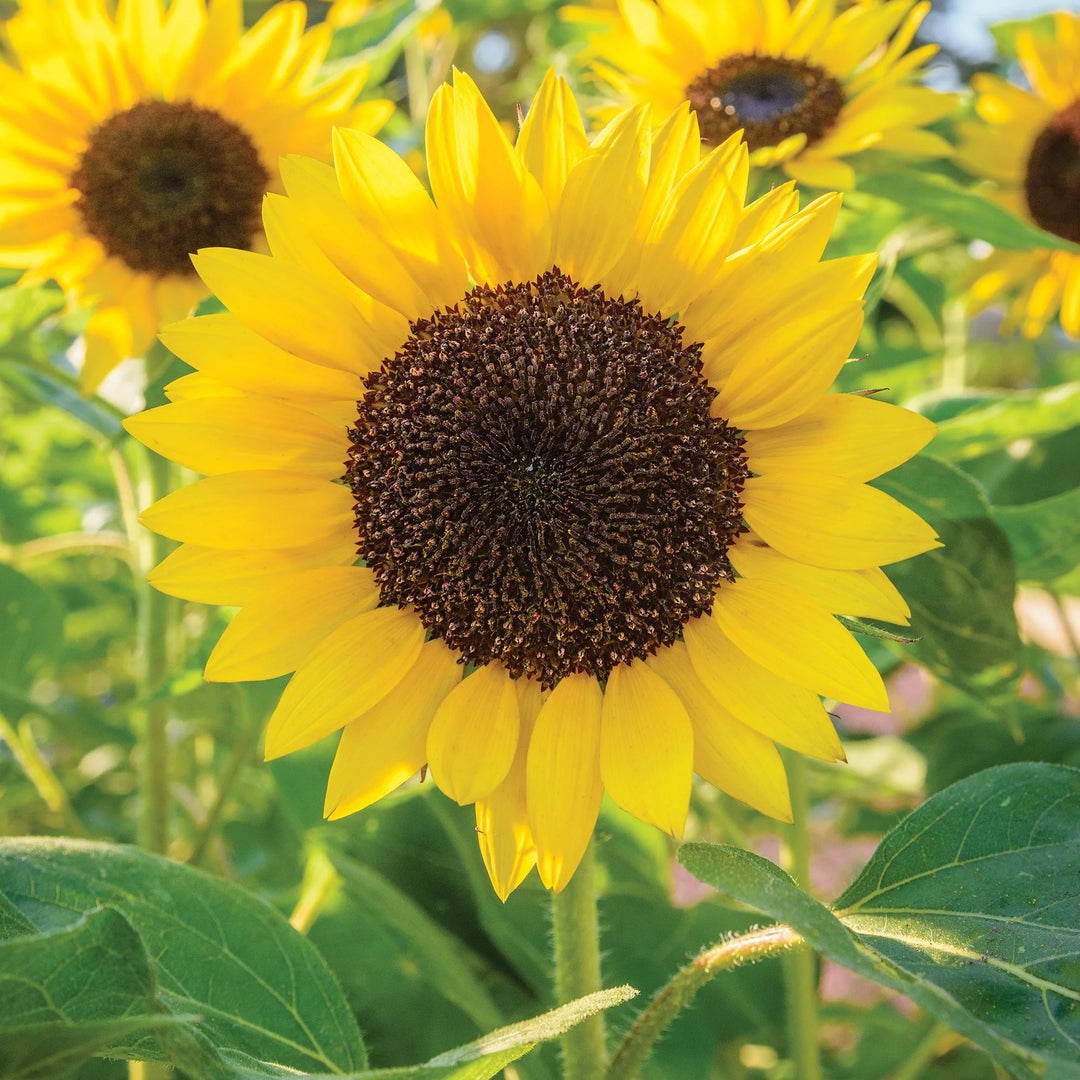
{"x": 539, "y": 539}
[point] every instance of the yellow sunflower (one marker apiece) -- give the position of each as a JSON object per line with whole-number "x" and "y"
{"x": 1029, "y": 143}
{"x": 809, "y": 87}
{"x": 130, "y": 139}
{"x": 572, "y": 415}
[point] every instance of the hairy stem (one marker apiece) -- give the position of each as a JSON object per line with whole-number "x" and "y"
{"x": 680, "y": 991}
{"x": 576, "y": 929}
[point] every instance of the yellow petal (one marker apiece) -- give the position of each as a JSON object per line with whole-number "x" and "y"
{"x": 391, "y": 203}
{"x": 788, "y": 633}
{"x": 222, "y": 347}
{"x": 383, "y": 747}
{"x": 291, "y": 307}
{"x": 844, "y": 435}
{"x": 564, "y": 783}
{"x": 552, "y": 140}
{"x": 207, "y": 575}
{"x": 280, "y": 627}
{"x": 602, "y": 198}
{"x": 646, "y": 748}
{"x": 219, "y": 435}
{"x": 868, "y": 592}
{"x": 727, "y": 753}
{"x": 253, "y": 510}
{"x": 820, "y": 170}
{"x": 832, "y": 522}
{"x": 777, "y": 708}
{"x": 693, "y": 231}
{"x": 782, "y": 371}
{"x": 353, "y": 669}
{"x": 502, "y": 218}
{"x": 502, "y": 820}
{"x": 474, "y": 735}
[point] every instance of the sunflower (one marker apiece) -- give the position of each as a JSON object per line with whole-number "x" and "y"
{"x": 808, "y": 87}
{"x": 128, "y": 140}
{"x": 572, "y": 416}
{"x": 1029, "y": 144}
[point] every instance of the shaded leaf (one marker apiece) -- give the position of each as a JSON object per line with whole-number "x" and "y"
{"x": 934, "y": 196}
{"x": 970, "y": 907}
{"x": 70, "y": 994}
{"x": 219, "y": 952}
{"x": 1045, "y": 535}
{"x": 30, "y": 628}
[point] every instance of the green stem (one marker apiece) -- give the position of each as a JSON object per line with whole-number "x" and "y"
{"x": 800, "y": 967}
{"x": 250, "y": 727}
{"x": 930, "y": 1047}
{"x": 576, "y": 929}
{"x": 153, "y": 667}
{"x": 680, "y": 991}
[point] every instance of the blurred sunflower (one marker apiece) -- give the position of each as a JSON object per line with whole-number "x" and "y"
{"x": 1029, "y": 143}
{"x": 128, "y": 140}
{"x": 572, "y": 415}
{"x": 809, "y": 87}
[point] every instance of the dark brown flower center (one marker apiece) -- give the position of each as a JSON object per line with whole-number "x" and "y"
{"x": 1052, "y": 180}
{"x": 538, "y": 475}
{"x": 164, "y": 179}
{"x": 769, "y": 97}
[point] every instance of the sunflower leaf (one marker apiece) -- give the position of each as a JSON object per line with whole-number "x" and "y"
{"x": 259, "y": 987}
{"x": 970, "y": 214}
{"x": 969, "y": 907}
{"x": 1045, "y": 535}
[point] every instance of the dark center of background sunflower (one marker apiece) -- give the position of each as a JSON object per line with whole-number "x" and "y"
{"x": 1052, "y": 180}
{"x": 164, "y": 179}
{"x": 769, "y": 97}
{"x": 538, "y": 475}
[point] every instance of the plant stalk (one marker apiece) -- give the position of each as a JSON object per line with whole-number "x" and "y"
{"x": 681, "y": 990}
{"x": 576, "y": 931}
{"x": 800, "y": 967}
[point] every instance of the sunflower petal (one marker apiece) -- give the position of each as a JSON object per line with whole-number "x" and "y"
{"x": 474, "y": 736}
{"x": 646, "y": 748}
{"x": 384, "y": 746}
{"x": 564, "y": 785}
{"x": 353, "y": 669}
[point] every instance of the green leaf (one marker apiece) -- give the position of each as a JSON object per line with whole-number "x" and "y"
{"x": 478, "y": 1060}
{"x": 1045, "y": 535}
{"x": 961, "y": 594}
{"x": 993, "y": 424}
{"x": 961, "y": 599}
{"x": 970, "y": 907}
{"x": 67, "y": 995}
{"x": 22, "y": 308}
{"x": 30, "y": 628}
{"x": 934, "y": 196}
{"x": 1006, "y": 33}
{"x": 38, "y": 385}
{"x": 219, "y": 952}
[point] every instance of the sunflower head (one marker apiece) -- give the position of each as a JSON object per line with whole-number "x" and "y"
{"x": 537, "y": 482}
{"x": 809, "y": 88}
{"x": 1028, "y": 143}
{"x": 129, "y": 139}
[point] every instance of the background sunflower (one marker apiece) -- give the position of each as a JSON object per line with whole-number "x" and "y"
{"x": 129, "y": 139}
{"x": 1028, "y": 143}
{"x": 809, "y": 86}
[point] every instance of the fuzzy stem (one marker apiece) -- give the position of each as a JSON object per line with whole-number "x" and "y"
{"x": 800, "y": 968}
{"x": 680, "y": 991}
{"x": 576, "y": 929}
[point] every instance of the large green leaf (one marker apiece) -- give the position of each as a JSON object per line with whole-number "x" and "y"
{"x": 971, "y": 215}
{"x": 993, "y": 423}
{"x": 970, "y": 907}
{"x": 217, "y": 951}
{"x": 71, "y": 993}
{"x": 478, "y": 1060}
{"x": 961, "y": 594}
{"x": 1045, "y": 535}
